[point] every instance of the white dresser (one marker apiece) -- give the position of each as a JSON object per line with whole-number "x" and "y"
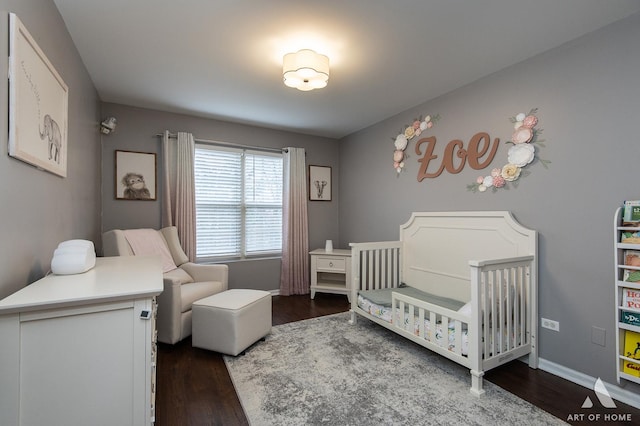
{"x": 80, "y": 349}
{"x": 330, "y": 272}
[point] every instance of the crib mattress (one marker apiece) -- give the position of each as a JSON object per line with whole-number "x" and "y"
{"x": 382, "y": 297}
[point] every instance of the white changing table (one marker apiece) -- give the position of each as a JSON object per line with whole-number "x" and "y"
{"x": 80, "y": 349}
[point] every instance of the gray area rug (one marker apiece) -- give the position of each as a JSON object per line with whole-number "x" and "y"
{"x": 326, "y": 371}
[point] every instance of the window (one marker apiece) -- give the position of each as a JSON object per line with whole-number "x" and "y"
{"x": 238, "y": 203}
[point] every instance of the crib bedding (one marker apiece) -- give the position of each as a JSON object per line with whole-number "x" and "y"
{"x": 385, "y": 313}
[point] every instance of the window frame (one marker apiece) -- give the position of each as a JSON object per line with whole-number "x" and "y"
{"x": 244, "y": 206}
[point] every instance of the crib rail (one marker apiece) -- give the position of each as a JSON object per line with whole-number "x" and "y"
{"x": 438, "y": 328}
{"x": 375, "y": 266}
{"x": 501, "y": 302}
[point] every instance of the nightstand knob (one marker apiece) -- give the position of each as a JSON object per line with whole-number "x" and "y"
{"x": 331, "y": 264}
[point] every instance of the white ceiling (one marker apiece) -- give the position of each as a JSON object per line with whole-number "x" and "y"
{"x": 222, "y": 59}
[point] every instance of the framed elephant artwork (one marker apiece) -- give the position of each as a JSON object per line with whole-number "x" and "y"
{"x": 38, "y": 101}
{"x": 319, "y": 183}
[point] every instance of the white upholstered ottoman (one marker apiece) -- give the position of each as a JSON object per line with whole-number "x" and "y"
{"x": 231, "y": 321}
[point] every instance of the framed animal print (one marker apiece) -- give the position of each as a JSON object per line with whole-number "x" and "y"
{"x": 136, "y": 175}
{"x": 319, "y": 183}
{"x": 38, "y": 104}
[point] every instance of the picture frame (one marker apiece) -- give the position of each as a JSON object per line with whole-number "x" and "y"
{"x": 38, "y": 104}
{"x": 135, "y": 176}
{"x": 319, "y": 183}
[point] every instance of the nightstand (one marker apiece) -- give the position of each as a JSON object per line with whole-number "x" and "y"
{"x": 331, "y": 272}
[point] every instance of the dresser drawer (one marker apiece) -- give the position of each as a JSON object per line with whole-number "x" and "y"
{"x": 331, "y": 264}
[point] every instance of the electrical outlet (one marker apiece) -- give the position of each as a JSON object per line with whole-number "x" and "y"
{"x": 550, "y": 324}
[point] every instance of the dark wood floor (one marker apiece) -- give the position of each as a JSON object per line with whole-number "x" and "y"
{"x": 194, "y": 388}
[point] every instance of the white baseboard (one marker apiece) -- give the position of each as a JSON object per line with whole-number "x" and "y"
{"x": 274, "y": 292}
{"x": 615, "y": 391}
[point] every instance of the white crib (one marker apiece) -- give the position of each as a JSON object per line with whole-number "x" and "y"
{"x": 484, "y": 259}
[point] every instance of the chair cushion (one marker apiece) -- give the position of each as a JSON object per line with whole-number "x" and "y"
{"x": 196, "y": 291}
{"x": 170, "y": 235}
{"x": 178, "y": 276}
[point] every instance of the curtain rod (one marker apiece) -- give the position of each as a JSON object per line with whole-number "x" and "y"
{"x": 231, "y": 144}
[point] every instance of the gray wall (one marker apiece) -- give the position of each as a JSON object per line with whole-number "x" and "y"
{"x": 39, "y": 209}
{"x": 136, "y": 131}
{"x": 588, "y": 97}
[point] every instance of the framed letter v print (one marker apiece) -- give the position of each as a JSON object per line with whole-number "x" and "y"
{"x": 38, "y": 99}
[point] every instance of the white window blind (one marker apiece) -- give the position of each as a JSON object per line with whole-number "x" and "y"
{"x": 238, "y": 202}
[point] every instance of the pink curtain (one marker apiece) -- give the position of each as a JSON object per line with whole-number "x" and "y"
{"x": 178, "y": 201}
{"x": 294, "y": 276}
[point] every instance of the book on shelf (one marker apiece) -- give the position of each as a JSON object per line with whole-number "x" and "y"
{"x": 630, "y": 237}
{"x": 632, "y": 350}
{"x": 630, "y": 298}
{"x": 631, "y": 258}
{"x": 631, "y": 318}
{"x": 631, "y": 213}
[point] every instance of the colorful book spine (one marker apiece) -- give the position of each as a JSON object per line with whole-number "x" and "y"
{"x": 631, "y": 318}
{"x": 630, "y": 298}
{"x": 632, "y": 350}
{"x": 631, "y": 213}
{"x": 631, "y": 258}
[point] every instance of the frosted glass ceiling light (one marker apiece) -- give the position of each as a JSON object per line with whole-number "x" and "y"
{"x": 305, "y": 70}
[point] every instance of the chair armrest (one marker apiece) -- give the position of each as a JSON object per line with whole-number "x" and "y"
{"x": 208, "y": 273}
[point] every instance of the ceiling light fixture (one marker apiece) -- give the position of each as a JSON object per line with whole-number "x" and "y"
{"x": 305, "y": 70}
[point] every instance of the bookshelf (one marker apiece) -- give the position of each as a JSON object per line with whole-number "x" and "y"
{"x": 627, "y": 315}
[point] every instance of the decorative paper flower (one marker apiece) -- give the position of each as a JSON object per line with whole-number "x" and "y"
{"x": 521, "y": 154}
{"x": 409, "y": 132}
{"x": 511, "y": 172}
{"x": 522, "y": 135}
{"x": 530, "y": 121}
{"x": 499, "y": 181}
{"x": 401, "y": 141}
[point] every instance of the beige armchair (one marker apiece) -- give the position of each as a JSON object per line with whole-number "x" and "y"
{"x": 182, "y": 286}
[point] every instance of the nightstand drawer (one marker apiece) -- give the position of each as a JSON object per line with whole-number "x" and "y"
{"x": 331, "y": 264}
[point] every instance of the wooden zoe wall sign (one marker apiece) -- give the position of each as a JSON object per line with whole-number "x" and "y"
{"x": 479, "y": 144}
{"x": 479, "y": 153}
